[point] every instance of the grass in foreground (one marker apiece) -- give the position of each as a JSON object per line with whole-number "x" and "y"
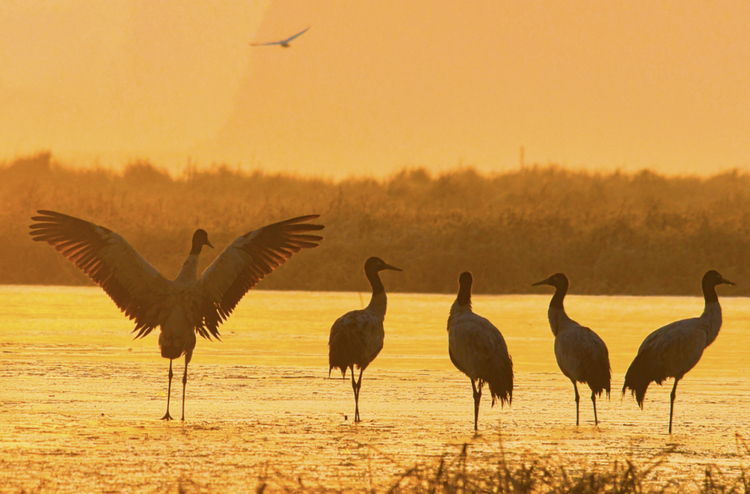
{"x": 534, "y": 474}
{"x": 465, "y": 473}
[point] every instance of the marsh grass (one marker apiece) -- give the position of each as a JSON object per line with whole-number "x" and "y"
{"x": 612, "y": 233}
{"x": 462, "y": 473}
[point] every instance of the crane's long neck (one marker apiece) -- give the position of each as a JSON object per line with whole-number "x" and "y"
{"x": 711, "y": 313}
{"x": 463, "y": 300}
{"x": 189, "y": 271}
{"x": 556, "y": 313}
{"x": 558, "y": 297}
{"x": 378, "y": 301}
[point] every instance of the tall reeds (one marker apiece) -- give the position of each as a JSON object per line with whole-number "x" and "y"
{"x": 614, "y": 233}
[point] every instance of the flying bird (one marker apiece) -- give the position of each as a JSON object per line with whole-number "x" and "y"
{"x": 357, "y": 337}
{"x": 188, "y": 304}
{"x": 581, "y": 354}
{"x": 477, "y": 349}
{"x": 671, "y": 351}
{"x": 284, "y": 43}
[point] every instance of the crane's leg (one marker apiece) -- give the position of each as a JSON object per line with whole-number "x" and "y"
{"x": 184, "y": 383}
{"x": 578, "y": 399}
{"x": 593, "y": 400}
{"x": 356, "y": 397}
{"x": 477, "y": 398}
{"x": 356, "y": 387}
{"x": 167, "y": 416}
{"x": 671, "y": 403}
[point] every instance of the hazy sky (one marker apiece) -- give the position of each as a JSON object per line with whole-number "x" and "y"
{"x": 376, "y": 86}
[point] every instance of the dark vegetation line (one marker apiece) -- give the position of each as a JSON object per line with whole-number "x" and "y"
{"x": 529, "y": 473}
{"x": 614, "y": 233}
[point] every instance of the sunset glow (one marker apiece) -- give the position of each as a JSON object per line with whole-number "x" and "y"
{"x": 377, "y": 86}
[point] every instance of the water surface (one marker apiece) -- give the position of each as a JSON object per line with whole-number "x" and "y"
{"x": 80, "y": 399}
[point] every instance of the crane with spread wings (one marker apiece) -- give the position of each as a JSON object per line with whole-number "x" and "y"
{"x": 189, "y": 304}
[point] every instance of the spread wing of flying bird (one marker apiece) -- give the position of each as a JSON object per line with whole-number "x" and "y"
{"x": 284, "y": 42}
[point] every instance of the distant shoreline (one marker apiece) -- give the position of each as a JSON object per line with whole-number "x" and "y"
{"x": 612, "y": 234}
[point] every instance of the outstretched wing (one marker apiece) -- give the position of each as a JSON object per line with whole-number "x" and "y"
{"x": 296, "y": 35}
{"x": 129, "y": 280}
{"x": 283, "y": 41}
{"x": 247, "y": 260}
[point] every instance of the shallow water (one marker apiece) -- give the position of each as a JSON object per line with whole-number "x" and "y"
{"x": 80, "y": 399}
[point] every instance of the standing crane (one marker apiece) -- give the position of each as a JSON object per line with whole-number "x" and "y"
{"x": 581, "y": 354}
{"x": 477, "y": 348}
{"x": 672, "y": 350}
{"x": 188, "y": 304}
{"x": 357, "y": 337}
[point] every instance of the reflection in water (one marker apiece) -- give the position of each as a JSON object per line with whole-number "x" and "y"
{"x": 78, "y": 396}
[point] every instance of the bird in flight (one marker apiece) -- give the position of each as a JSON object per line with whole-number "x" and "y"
{"x": 284, "y": 42}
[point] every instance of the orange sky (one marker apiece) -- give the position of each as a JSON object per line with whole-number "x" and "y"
{"x": 376, "y": 86}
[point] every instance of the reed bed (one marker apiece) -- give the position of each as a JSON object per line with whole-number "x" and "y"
{"x": 612, "y": 233}
{"x": 529, "y": 474}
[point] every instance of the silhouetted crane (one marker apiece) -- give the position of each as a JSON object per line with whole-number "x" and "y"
{"x": 671, "y": 351}
{"x": 284, "y": 43}
{"x": 477, "y": 349}
{"x": 581, "y": 354}
{"x": 186, "y": 305}
{"x": 357, "y": 337}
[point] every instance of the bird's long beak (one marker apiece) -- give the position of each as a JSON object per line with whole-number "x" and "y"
{"x": 543, "y": 282}
{"x": 394, "y": 268}
{"x": 726, "y": 281}
{"x": 209, "y": 244}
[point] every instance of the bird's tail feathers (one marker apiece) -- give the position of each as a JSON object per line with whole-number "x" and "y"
{"x": 340, "y": 351}
{"x": 500, "y": 380}
{"x": 600, "y": 383}
{"x": 177, "y": 335}
{"x": 640, "y": 374}
{"x": 342, "y": 369}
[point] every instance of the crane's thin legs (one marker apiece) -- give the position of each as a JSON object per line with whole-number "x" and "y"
{"x": 184, "y": 383}
{"x": 356, "y": 397}
{"x": 477, "y": 399}
{"x": 167, "y": 416}
{"x": 359, "y": 387}
{"x": 671, "y": 403}
{"x": 578, "y": 399}
{"x": 593, "y": 400}
{"x": 355, "y": 387}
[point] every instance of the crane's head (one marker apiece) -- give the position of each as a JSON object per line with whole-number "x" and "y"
{"x": 200, "y": 238}
{"x": 376, "y": 264}
{"x": 713, "y": 278}
{"x": 558, "y": 280}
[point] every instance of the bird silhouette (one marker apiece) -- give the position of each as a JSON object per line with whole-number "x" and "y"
{"x": 284, "y": 43}
{"x": 357, "y": 337}
{"x": 672, "y": 350}
{"x": 477, "y": 349}
{"x": 581, "y": 354}
{"x": 188, "y": 304}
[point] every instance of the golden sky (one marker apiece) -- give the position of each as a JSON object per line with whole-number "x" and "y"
{"x": 379, "y": 85}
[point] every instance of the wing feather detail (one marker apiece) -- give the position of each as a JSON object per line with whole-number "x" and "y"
{"x": 248, "y": 260}
{"x": 134, "y": 285}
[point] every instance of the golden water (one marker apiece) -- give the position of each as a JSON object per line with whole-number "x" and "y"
{"x": 80, "y": 399}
